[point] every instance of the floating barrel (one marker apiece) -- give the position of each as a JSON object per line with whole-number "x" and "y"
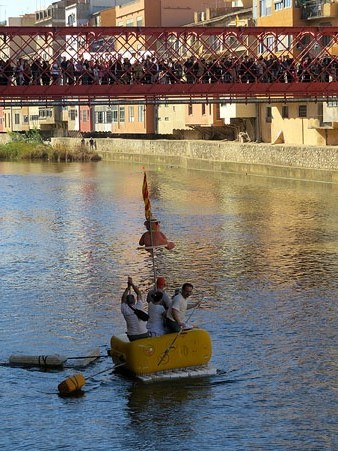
{"x": 72, "y": 384}
{"x": 44, "y": 361}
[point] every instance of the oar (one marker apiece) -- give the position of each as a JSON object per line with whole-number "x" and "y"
{"x": 166, "y": 352}
{"x": 73, "y": 384}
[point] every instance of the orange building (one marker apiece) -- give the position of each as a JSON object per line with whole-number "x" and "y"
{"x": 142, "y": 119}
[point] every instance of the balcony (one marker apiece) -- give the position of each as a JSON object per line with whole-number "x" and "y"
{"x": 313, "y": 10}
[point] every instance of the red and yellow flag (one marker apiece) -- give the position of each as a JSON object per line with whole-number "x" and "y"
{"x": 145, "y": 193}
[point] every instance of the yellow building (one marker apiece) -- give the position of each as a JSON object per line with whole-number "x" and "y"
{"x": 303, "y": 122}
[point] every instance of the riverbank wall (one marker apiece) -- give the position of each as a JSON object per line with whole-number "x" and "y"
{"x": 259, "y": 159}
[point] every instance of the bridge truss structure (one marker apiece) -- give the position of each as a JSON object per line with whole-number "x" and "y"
{"x": 114, "y": 65}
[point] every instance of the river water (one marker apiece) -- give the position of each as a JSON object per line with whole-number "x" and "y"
{"x": 263, "y": 256}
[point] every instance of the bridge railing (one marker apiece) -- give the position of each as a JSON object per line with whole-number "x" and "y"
{"x": 129, "y": 64}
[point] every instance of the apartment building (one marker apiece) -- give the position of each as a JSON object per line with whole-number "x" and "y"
{"x": 53, "y": 120}
{"x": 201, "y": 120}
{"x": 133, "y": 119}
{"x": 15, "y": 119}
{"x": 303, "y": 122}
{"x": 148, "y": 119}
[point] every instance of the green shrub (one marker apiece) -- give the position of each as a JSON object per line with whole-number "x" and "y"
{"x": 30, "y": 136}
{"x": 29, "y": 146}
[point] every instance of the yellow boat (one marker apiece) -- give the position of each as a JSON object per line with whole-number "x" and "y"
{"x": 176, "y": 355}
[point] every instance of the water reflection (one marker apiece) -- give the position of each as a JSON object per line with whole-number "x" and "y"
{"x": 262, "y": 255}
{"x": 173, "y": 410}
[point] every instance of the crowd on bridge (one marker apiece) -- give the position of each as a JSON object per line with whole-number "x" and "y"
{"x": 150, "y": 70}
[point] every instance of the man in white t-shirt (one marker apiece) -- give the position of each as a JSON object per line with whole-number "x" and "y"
{"x": 176, "y": 314}
{"x": 136, "y": 327}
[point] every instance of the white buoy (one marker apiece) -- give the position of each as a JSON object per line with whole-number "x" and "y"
{"x": 44, "y": 361}
{"x": 55, "y": 360}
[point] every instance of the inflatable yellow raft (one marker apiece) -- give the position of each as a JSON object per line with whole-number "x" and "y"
{"x": 168, "y": 356}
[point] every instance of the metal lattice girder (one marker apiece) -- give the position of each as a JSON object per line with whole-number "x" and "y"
{"x": 41, "y": 63}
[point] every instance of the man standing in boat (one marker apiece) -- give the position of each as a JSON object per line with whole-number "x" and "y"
{"x": 130, "y": 308}
{"x": 160, "y": 286}
{"x": 176, "y": 313}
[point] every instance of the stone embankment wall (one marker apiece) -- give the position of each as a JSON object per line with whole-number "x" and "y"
{"x": 296, "y": 162}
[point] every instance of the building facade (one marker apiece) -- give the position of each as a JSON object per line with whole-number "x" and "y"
{"x": 303, "y": 123}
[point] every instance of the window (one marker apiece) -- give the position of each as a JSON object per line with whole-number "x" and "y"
{"x": 215, "y": 44}
{"x": 25, "y": 119}
{"x": 71, "y": 20}
{"x": 129, "y": 23}
{"x": 270, "y": 43}
{"x": 265, "y": 8}
{"x": 282, "y": 43}
{"x": 84, "y": 116}
{"x": 140, "y": 113}
{"x": 72, "y": 115}
{"x": 109, "y": 116}
{"x": 131, "y": 114}
{"x": 114, "y": 112}
{"x": 268, "y": 7}
{"x": 203, "y": 109}
{"x": 43, "y": 113}
{"x": 99, "y": 117}
{"x": 278, "y": 5}
{"x": 268, "y": 114}
{"x": 122, "y": 113}
{"x": 287, "y": 3}
{"x": 302, "y": 111}
{"x": 285, "y": 112}
{"x": 17, "y": 119}
{"x": 267, "y": 44}
{"x": 190, "y": 109}
{"x": 139, "y": 21}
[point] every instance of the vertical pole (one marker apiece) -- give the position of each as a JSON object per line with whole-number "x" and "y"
{"x": 152, "y": 245}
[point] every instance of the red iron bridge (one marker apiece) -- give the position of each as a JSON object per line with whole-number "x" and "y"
{"x": 114, "y": 65}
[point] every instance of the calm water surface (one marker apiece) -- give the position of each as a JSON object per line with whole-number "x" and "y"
{"x": 263, "y": 255}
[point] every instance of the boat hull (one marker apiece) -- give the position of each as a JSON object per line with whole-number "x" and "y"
{"x": 187, "y": 349}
